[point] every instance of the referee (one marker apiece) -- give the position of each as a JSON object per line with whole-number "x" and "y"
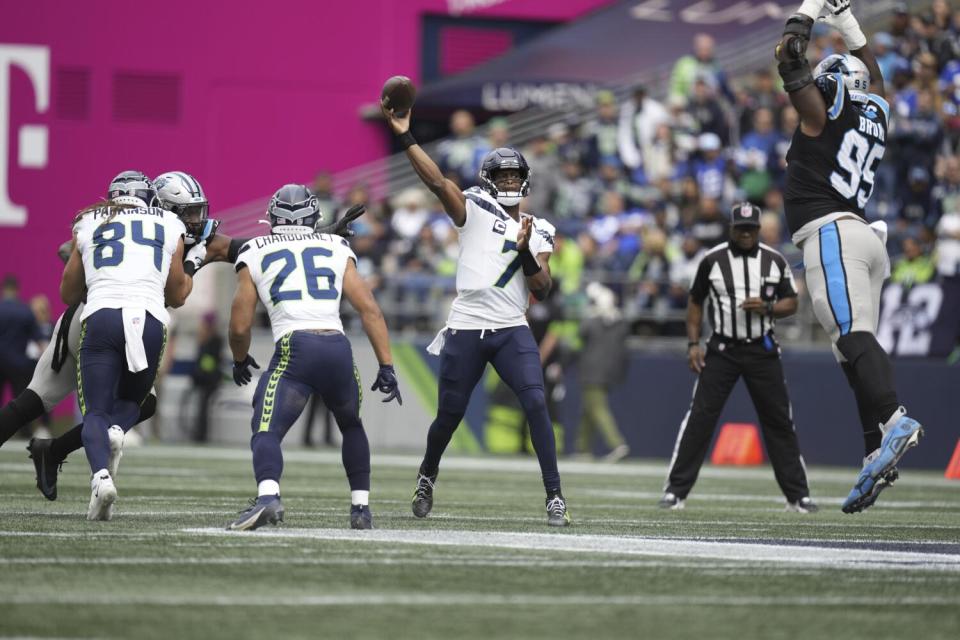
{"x": 749, "y": 285}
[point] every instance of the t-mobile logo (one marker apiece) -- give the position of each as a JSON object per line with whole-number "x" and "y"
{"x": 32, "y": 138}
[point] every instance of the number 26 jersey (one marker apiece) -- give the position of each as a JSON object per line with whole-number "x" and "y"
{"x": 834, "y": 172}
{"x": 299, "y": 278}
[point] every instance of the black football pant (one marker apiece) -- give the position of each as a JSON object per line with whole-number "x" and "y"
{"x": 763, "y": 374}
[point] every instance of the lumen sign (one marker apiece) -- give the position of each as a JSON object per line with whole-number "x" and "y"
{"x": 32, "y": 140}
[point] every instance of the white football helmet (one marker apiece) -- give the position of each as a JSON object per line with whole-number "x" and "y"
{"x": 855, "y": 75}
{"x": 181, "y": 194}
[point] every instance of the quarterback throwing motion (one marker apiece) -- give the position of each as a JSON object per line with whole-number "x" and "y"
{"x": 504, "y": 257}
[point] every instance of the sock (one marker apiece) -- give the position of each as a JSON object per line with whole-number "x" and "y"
{"x": 267, "y": 457}
{"x": 873, "y": 375}
{"x": 66, "y": 444}
{"x": 868, "y": 422}
{"x": 19, "y": 412}
{"x": 268, "y": 488}
{"x": 355, "y": 453}
{"x": 360, "y": 497}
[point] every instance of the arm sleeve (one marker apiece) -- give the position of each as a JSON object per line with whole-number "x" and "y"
{"x": 242, "y": 258}
{"x": 233, "y": 251}
{"x": 701, "y": 283}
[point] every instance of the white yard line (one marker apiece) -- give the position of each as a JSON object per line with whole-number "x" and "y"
{"x": 466, "y": 600}
{"x": 632, "y": 545}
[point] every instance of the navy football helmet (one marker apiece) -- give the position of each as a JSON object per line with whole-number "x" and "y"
{"x": 133, "y": 184}
{"x": 498, "y": 160}
{"x": 181, "y": 194}
{"x": 294, "y": 209}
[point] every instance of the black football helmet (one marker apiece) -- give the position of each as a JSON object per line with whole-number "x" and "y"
{"x": 133, "y": 184}
{"x": 294, "y": 209}
{"x": 498, "y": 160}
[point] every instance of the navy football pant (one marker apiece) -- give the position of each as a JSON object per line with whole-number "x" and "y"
{"x": 108, "y": 392}
{"x": 305, "y": 363}
{"x": 514, "y": 354}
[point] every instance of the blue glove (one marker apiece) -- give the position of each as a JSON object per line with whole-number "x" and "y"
{"x": 387, "y": 383}
{"x": 241, "y": 370}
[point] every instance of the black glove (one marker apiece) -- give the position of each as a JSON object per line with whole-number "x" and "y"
{"x": 241, "y": 370}
{"x": 387, "y": 383}
{"x": 342, "y": 226}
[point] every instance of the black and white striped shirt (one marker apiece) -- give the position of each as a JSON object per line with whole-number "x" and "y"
{"x": 729, "y": 276}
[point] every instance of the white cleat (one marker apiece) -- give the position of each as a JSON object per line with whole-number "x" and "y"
{"x": 102, "y": 496}
{"x": 115, "y": 435}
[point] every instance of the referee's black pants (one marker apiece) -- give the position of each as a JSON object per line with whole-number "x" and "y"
{"x": 763, "y": 374}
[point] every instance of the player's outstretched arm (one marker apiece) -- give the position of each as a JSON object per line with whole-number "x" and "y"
{"x": 449, "y": 194}
{"x": 839, "y": 15}
{"x": 794, "y": 69}
{"x": 179, "y": 284}
{"x": 360, "y": 296}
{"x": 73, "y": 284}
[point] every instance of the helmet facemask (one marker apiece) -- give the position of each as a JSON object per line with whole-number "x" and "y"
{"x": 503, "y": 160}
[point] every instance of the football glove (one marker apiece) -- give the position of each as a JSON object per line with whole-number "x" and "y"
{"x": 241, "y": 370}
{"x": 194, "y": 258}
{"x": 387, "y": 383}
{"x": 342, "y": 226}
{"x": 840, "y": 17}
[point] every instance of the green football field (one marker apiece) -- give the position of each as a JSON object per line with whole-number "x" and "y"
{"x": 483, "y": 565}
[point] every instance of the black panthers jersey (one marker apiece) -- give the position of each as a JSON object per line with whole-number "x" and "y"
{"x": 834, "y": 172}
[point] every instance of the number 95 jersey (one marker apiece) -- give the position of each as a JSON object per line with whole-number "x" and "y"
{"x": 492, "y": 292}
{"x": 299, "y": 278}
{"x": 834, "y": 172}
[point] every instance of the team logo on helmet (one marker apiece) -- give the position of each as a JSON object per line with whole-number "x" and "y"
{"x": 855, "y": 75}
{"x": 294, "y": 209}
{"x": 499, "y": 160}
{"x": 133, "y": 184}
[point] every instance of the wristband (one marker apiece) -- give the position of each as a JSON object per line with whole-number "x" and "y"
{"x": 769, "y": 305}
{"x": 529, "y": 263}
{"x": 693, "y": 343}
{"x": 190, "y": 268}
{"x": 406, "y": 140}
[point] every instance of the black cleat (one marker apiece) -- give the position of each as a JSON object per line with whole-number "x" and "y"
{"x": 671, "y": 501}
{"x": 557, "y": 512}
{"x": 263, "y": 510}
{"x": 423, "y": 495}
{"x": 46, "y": 466}
{"x": 360, "y": 517}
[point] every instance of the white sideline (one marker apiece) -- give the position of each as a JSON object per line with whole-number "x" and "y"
{"x": 630, "y": 545}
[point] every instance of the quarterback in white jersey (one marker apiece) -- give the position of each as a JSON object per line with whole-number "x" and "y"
{"x": 504, "y": 257}
{"x": 299, "y": 276}
{"x": 127, "y": 262}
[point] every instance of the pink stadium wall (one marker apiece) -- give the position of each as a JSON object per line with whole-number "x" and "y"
{"x": 245, "y": 95}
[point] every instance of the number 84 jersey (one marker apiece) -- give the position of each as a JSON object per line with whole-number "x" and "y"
{"x": 299, "y": 278}
{"x": 492, "y": 291}
{"x": 833, "y": 173}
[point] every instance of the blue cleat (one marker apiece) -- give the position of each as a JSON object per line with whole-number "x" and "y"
{"x": 880, "y": 468}
{"x": 263, "y": 510}
{"x": 360, "y": 517}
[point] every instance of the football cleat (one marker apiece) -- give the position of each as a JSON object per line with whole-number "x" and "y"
{"x": 803, "y": 505}
{"x": 102, "y": 496}
{"x": 263, "y": 510}
{"x": 360, "y": 517}
{"x": 879, "y": 469}
{"x": 423, "y": 495}
{"x": 115, "y": 436}
{"x": 671, "y": 501}
{"x": 45, "y": 465}
{"x": 557, "y": 515}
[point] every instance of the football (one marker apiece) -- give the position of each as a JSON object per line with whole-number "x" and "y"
{"x": 398, "y": 94}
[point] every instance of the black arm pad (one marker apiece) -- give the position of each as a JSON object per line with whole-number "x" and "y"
{"x": 234, "y": 250}
{"x": 796, "y": 32}
{"x": 529, "y": 263}
{"x": 796, "y": 74}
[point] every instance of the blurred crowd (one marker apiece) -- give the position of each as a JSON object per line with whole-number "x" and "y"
{"x": 639, "y": 189}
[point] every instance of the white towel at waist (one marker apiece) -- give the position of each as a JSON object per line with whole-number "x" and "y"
{"x": 133, "y": 321}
